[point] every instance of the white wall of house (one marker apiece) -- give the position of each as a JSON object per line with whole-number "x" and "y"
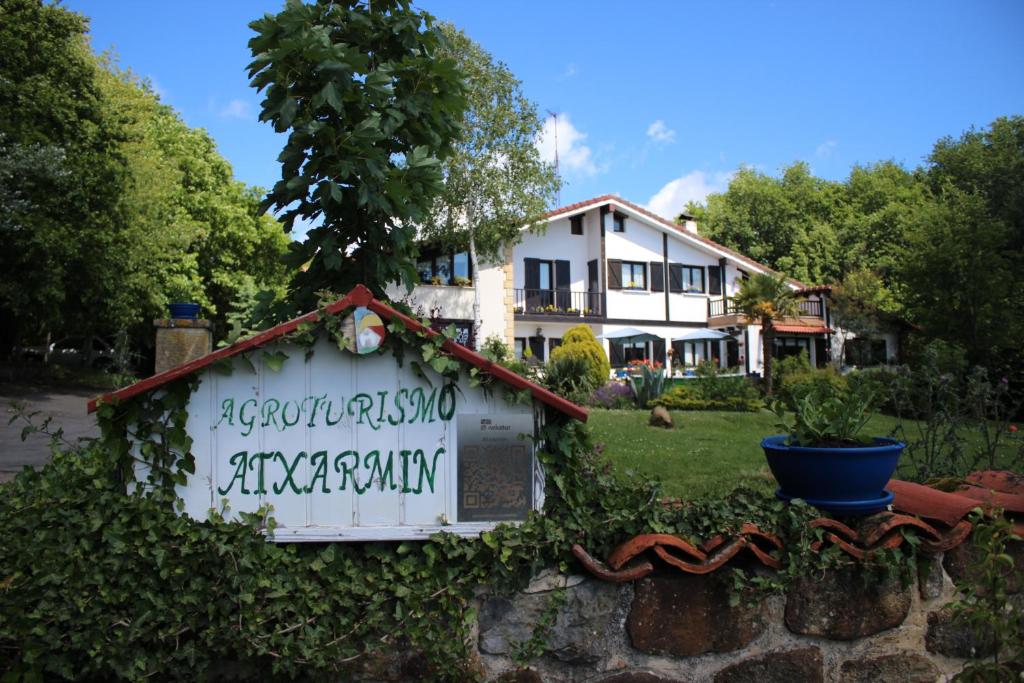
{"x": 557, "y": 243}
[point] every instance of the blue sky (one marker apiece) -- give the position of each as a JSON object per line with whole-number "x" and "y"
{"x": 657, "y": 101}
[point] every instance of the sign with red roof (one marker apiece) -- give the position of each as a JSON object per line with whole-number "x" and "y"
{"x": 344, "y": 442}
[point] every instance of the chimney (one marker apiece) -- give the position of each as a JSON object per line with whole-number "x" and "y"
{"x": 180, "y": 340}
{"x": 690, "y": 225}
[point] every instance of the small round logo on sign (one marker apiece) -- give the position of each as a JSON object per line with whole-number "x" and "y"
{"x": 369, "y": 330}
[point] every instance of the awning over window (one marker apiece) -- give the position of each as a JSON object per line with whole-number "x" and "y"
{"x": 802, "y": 329}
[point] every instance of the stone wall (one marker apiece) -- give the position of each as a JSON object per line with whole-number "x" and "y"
{"x": 678, "y": 627}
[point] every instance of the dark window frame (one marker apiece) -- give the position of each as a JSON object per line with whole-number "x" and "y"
{"x": 576, "y": 224}
{"x": 618, "y": 222}
{"x": 436, "y": 259}
{"x": 632, "y": 265}
{"x": 687, "y": 270}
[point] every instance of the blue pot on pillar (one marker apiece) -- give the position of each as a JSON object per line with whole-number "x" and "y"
{"x": 184, "y": 311}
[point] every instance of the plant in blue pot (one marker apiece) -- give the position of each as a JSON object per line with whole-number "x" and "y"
{"x": 823, "y": 459}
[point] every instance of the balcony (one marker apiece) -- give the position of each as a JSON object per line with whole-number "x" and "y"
{"x": 557, "y": 302}
{"x": 718, "y": 308}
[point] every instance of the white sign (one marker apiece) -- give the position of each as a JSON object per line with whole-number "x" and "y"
{"x": 349, "y": 447}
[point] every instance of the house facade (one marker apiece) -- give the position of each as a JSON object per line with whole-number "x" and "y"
{"x": 614, "y": 265}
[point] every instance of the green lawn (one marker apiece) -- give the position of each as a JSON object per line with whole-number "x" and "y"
{"x": 707, "y": 454}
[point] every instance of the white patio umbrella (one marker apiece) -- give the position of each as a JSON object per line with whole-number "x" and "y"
{"x": 630, "y": 335}
{"x": 703, "y": 334}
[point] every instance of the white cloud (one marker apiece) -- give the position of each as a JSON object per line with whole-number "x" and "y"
{"x": 574, "y": 157}
{"x": 695, "y": 186}
{"x": 659, "y": 132}
{"x": 824, "y": 150}
{"x": 235, "y": 109}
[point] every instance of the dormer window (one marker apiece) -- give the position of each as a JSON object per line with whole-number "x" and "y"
{"x": 618, "y": 222}
{"x": 576, "y": 224}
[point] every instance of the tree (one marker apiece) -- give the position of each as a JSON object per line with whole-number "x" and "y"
{"x": 370, "y": 107}
{"x": 495, "y": 182}
{"x": 580, "y": 342}
{"x": 194, "y": 232}
{"x": 965, "y": 283}
{"x": 766, "y": 298}
{"x": 787, "y": 223}
{"x": 61, "y": 234}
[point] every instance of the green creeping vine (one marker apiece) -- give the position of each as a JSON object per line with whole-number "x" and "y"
{"x": 97, "y": 581}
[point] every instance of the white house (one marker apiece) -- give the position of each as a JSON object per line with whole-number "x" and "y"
{"x": 614, "y": 265}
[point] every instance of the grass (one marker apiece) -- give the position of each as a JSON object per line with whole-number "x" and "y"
{"x": 708, "y": 453}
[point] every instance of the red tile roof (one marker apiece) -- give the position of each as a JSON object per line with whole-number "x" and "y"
{"x": 359, "y": 296}
{"x": 801, "y": 329}
{"x": 938, "y": 517}
{"x": 668, "y": 224}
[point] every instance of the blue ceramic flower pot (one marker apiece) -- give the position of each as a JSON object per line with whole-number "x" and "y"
{"x": 180, "y": 311}
{"x": 843, "y": 481}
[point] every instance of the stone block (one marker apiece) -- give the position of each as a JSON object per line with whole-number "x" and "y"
{"x": 660, "y": 417}
{"x": 958, "y": 562}
{"x": 583, "y": 628}
{"x": 688, "y": 615}
{"x": 953, "y": 637}
{"x": 929, "y": 575}
{"x": 906, "y": 667}
{"x": 844, "y": 605}
{"x": 804, "y": 665}
{"x": 636, "y": 677}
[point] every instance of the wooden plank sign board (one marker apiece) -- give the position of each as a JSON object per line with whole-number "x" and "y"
{"x": 357, "y": 447}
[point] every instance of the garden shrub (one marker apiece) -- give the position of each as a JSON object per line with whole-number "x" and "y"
{"x": 680, "y": 399}
{"x": 711, "y": 385}
{"x": 569, "y": 376}
{"x": 795, "y": 378}
{"x": 580, "y": 341}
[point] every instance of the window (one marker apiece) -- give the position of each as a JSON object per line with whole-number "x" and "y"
{"x": 693, "y": 279}
{"x": 622, "y": 353}
{"x": 864, "y": 352}
{"x": 544, "y": 278}
{"x": 435, "y": 268}
{"x": 554, "y": 343}
{"x": 791, "y": 346}
{"x": 460, "y": 265}
{"x": 634, "y": 275}
{"x": 576, "y": 224}
{"x": 519, "y": 347}
{"x": 618, "y": 222}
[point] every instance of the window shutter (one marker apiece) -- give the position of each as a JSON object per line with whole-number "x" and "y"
{"x": 657, "y": 276}
{"x": 675, "y": 277}
{"x": 532, "y": 273}
{"x": 562, "y": 298}
{"x": 614, "y": 274}
{"x": 658, "y": 352}
{"x": 618, "y": 358}
{"x": 714, "y": 280}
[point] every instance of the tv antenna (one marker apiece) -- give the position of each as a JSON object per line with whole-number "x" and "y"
{"x": 554, "y": 115}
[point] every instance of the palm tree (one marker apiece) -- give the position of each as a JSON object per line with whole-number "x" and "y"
{"x": 765, "y": 299}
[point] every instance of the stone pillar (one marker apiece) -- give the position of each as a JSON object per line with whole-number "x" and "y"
{"x": 509, "y": 296}
{"x": 180, "y": 341}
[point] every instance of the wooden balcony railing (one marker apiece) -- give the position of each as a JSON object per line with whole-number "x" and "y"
{"x": 809, "y": 308}
{"x": 557, "y": 302}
